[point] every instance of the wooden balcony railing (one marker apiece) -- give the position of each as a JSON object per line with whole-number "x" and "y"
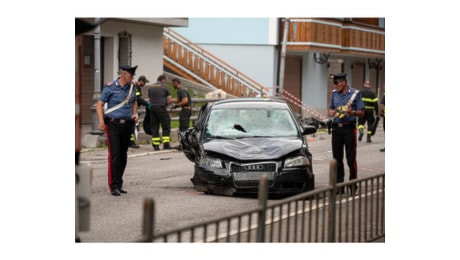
{"x": 193, "y": 62}
{"x": 335, "y": 36}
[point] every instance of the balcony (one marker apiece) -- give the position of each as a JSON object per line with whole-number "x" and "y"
{"x": 357, "y": 37}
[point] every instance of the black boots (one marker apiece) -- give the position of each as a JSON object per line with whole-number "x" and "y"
{"x": 166, "y": 146}
{"x": 361, "y": 133}
{"x": 115, "y": 192}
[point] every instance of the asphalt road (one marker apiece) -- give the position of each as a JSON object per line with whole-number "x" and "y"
{"x": 165, "y": 177}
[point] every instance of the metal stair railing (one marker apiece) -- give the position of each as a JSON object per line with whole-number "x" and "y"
{"x": 205, "y": 68}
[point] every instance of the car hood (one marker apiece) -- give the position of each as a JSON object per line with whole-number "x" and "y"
{"x": 253, "y": 148}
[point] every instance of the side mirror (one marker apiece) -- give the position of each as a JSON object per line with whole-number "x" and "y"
{"x": 308, "y": 129}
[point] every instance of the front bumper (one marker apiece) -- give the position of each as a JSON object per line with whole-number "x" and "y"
{"x": 287, "y": 181}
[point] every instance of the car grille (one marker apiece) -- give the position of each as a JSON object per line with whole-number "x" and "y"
{"x": 250, "y": 184}
{"x": 254, "y": 167}
{"x": 248, "y": 175}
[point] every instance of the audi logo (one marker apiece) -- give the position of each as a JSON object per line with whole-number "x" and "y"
{"x": 254, "y": 167}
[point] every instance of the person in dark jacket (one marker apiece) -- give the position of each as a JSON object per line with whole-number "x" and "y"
{"x": 183, "y": 101}
{"x": 160, "y": 97}
{"x": 371, "y": 104}
{"x": 141, "y": 81}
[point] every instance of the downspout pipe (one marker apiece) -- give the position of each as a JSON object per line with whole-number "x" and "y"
{"x": 97, "y": 76}
{"x": 283, "y": 57}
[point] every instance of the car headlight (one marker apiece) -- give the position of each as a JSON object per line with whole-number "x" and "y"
{"x": 211, "y": 163}
{"x": 296, "y": 161}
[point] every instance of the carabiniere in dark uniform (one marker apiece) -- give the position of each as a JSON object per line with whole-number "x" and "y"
{"x": 346, "y": 105}
{"x": 118, "y": 121}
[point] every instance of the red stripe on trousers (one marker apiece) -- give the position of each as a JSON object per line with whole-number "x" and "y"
{"x": 109, "y": 168}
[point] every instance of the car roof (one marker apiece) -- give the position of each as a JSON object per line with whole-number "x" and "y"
{"x": 274, "y": 103}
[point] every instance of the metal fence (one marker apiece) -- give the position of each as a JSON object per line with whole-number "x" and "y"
{"x": 337, "y": 213}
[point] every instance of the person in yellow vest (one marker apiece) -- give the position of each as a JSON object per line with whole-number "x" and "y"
{"x": 371, "y": 104}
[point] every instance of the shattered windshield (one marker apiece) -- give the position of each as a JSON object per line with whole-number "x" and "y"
{"x": 238, "y": 123}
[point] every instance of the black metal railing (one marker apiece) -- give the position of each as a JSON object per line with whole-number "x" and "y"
{"x": 353, "y": 211}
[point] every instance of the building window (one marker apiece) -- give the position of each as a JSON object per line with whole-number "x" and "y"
{"x": 88, "y": 61}
{"x": 124, "y": 48}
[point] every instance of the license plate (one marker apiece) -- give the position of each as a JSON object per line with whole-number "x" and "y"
{"x": 251, "y": 176}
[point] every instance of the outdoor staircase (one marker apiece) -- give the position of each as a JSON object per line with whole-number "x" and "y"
{"x": 192, "y": 62}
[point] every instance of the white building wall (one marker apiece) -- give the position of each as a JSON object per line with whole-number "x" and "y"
{"x": 273, "y": 31}
{"x": 256, "y": 61}
{"x": 315, "y": 79}
{"x": 247, "y": 44}
{"x": 147, "y": 49}
{"x": 314, "y": 83}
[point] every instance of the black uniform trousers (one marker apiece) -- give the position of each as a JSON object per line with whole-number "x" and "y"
{"x": 344, "y": 136}
{"x": 369, "y": 118}
{"x": 118, "y": 135}
{"x": 159, "y": 115}
{"x": 184, "y": 119}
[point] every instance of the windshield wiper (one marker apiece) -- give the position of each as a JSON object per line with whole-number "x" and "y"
{"x": 219, "y": 137}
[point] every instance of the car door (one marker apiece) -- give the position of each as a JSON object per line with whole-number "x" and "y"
{"x": 192, "y": 140}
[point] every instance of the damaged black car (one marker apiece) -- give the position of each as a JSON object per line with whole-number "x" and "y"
{"x": 236, "y": 141}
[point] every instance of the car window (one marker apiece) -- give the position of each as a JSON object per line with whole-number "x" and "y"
{"x": 234, "y": 123}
